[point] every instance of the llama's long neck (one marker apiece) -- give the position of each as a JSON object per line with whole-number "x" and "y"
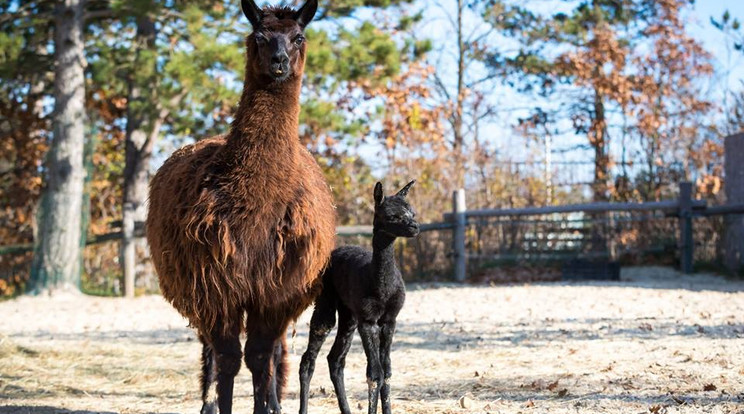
{"x": 265, "y": 125}
{"x": 383, "y": 259}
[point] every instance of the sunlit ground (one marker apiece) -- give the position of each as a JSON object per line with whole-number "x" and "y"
{"x": 656, "y": 342}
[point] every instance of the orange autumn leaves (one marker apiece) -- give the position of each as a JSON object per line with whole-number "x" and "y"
{"x": 656, "y": 87}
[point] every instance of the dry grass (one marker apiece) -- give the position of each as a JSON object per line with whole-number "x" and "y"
{"x": 657, "y": 342}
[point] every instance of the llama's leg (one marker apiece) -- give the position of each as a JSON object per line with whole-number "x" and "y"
{"x": 321, "y": 323}
{"x": 260, "y": 349}
{"x": 370, "y": 333}
{"x": 208, "y": 379}
{"x": 337, "y": 356}
{"x": 387, "y": 330}
{"x": 282, "y": 366}
{"x": 227, "y": 355}
{"x": 276, "y": 381}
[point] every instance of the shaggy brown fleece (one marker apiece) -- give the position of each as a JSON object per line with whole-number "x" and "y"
{"x": 241, "y": 225}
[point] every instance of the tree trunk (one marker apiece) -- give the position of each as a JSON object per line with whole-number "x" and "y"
{"x": 459, "y": 104}
{"x": 139, "y": 143}
{"x": 56, "y": 264}
{"x": 599, "y": 142}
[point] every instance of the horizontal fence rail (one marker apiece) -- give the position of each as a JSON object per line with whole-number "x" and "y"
{"x": 684, "y": 209}
{"x": 366, "y": 230}
{"x": 459, "y": 225}
{"x": 345, "y": 231}
{"x": 92, "y": 240}
{"x": 723, "y": 210}
{"x": 600, "y": 207}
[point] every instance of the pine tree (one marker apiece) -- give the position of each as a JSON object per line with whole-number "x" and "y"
{"x": 25, "y": 82}
{"x": 170, "y": 56}
{"x": 608, "y": 56}
{"x": 56, "y": 265}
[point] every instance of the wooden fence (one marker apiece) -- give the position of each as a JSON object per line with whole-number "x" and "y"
{"x": 684, "y": 209}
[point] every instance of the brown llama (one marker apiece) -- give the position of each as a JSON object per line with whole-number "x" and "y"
{"x": 241, "y": 225}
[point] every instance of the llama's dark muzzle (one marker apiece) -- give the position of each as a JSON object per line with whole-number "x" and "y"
{"x": 279, "y": 64}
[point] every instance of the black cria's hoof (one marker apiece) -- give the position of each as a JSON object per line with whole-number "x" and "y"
{"x": 210, "y": 408}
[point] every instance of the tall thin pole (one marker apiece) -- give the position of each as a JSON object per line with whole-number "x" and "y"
{"x": 549, "y": 169}
{"x": 458, "y": 207}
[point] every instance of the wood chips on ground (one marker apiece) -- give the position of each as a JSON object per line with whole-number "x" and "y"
{"x": 657, "y": 342}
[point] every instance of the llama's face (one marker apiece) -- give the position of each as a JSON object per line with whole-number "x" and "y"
{"x": 276, "y": 48}
{"x": 394, "y": 215}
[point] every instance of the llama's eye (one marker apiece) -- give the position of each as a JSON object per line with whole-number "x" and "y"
{"x": 299, "y": 39}
{"x": 261, "y": 39}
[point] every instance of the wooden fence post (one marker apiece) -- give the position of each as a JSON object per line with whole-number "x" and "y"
{"x": 733, "y": 224}
{"x": 686, "y": 244}
{"x": 129, "y": 255}
{"x": 458, "y": 239}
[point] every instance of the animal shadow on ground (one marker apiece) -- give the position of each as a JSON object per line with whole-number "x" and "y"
{"x": 691, "y": 283}
{"x": 144, "y": 337}
{"x": 27, "y": 409}
{"x": 522, "y": 390}
{"x": 449, "y": 337}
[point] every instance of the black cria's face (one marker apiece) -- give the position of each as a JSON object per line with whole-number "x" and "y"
{"x": 397, "y": 217}
{"x": 394, "y": 215}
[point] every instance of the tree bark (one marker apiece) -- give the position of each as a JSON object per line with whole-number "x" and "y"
{"x": 57, "y": 254}
{"x": 598, "y": 140}
{"x": 140, "y": 136}
{"x": 457, "y": 121}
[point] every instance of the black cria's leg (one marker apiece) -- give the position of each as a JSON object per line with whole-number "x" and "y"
{"x": 337, "y": 356}
{"x": 321, "y": 323}
{"x": 387, "y": 330}
{"x": 260, "y": 349}
{"x": 221, "y": 362}
{"x": 208, "y": 378}
{"x": 370, "y": 333}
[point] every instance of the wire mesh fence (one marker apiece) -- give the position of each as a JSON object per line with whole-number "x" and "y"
{"x": 427, "y": 257}
{"x": 101, "y": 270}
{"x": 15, "y": 267}
{"x": 518, "y": 248}
{"x": 709, "y": 237}
{"x": 631, "y": 236}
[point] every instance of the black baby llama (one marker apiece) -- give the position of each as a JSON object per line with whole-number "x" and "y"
{"x": 365, "y": 288}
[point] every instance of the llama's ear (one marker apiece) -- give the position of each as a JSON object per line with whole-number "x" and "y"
{"x": 379, "y": 196}
{"x": 252, "y": 12}
{"x": 306, "y": 13}
{"x": 404, "y": 191}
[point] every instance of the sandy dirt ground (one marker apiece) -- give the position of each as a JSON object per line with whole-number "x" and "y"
{"x": 657, "y": 342}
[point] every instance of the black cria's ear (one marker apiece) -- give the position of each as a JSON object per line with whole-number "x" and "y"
{"x": 379, "y": 197}
{"x": 404, "y": 191}
{"x": 306, "y": 13}
{"x": 252, "y": 12}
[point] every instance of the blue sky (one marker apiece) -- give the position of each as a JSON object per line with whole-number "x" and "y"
{"x": 729, "y": 66}
{"x": 729, "y": 73}
{"x": 715, "y": 41}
